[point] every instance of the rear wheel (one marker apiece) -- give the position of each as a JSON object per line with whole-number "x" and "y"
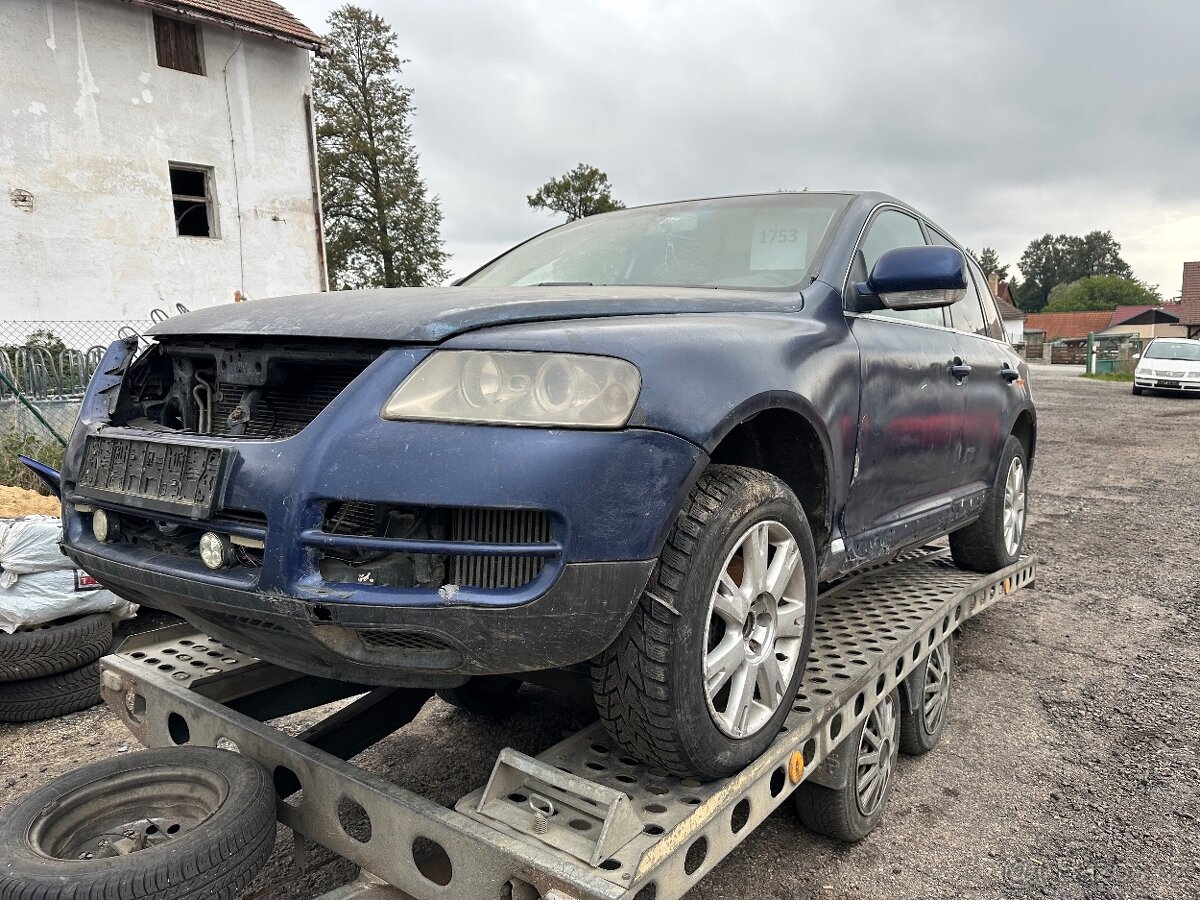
{"x": 852, "y": 812}
{"x": 996, "y": 539}
{"x": 173, "y": 824}
{"x": 703, "y": 675}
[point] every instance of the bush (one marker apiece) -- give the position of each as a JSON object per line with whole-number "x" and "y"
{"x": 13, "y": 473}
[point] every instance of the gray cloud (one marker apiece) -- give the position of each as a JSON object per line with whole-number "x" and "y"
{"x": 1002, "y": 121}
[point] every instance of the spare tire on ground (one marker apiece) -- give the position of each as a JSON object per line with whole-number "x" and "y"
{"x": 47, "y": 698}
{"x": 57, "y": 647}
{"x": 171, "y": 824}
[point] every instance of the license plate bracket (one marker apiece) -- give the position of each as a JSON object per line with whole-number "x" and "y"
{"x": 158, "y": 476}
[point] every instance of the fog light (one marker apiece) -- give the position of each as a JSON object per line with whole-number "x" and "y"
{"x": 105, "y": 526}
{"x": 216, "y": 550}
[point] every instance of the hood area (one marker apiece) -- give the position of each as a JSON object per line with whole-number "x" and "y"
{"x": 431, "y": 315}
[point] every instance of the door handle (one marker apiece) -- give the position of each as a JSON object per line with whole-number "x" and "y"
{"x": 1009, "y": 374}
{"x": 959, "y": 369}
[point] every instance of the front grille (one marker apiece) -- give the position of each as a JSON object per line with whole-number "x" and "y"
{"x": 413, "y": 641}
{"x": 282, "y": 411}
{"x": 497, "y": 526}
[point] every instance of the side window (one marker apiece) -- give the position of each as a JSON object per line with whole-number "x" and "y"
{"x": 991, "y": 315}
{"x": 967, "y": 314}
{"x": 888, "y": 230}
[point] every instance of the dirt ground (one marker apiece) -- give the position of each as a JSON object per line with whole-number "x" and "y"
{"x": 15, "y": 501}
{"x": 1069, "y": 768}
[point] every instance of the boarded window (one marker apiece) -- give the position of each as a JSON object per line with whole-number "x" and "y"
{"x": 191, "y": 196}
{"x": 178, "y": 45}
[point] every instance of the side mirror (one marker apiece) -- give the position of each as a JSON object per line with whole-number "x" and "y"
{"x": 918, "y": 278}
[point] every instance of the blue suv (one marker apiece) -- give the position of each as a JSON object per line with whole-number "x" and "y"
{"x": 628, "y": 449}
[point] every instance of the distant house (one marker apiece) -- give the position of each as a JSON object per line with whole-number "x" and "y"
{"x": 1012, "y": 316}
{"x": 1189, "y": 299}
{"x": 1147, "y": 321}
{"x": 1068, "y": 326}
{"x": 154, "y": 152}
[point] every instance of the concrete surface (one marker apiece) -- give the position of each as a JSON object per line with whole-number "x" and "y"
{"x": 1069, "y": 767}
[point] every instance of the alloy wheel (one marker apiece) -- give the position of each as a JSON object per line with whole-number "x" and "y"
{"x": 936, "y": 690}
{"x": 1014, "y": 506}
{"x": 876, "y": 756}
{"x": 755, "y": 629}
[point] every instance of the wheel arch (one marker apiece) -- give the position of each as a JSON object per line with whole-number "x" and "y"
{"x": 779, "y": 433}
{"x": 1024, "y": 429}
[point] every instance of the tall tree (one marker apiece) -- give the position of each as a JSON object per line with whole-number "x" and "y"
{"x": 989, "y": 261}
{"x": 584, "y": 191}
{"x": 1053, "y": 260}
{"x": 382, "y": 225}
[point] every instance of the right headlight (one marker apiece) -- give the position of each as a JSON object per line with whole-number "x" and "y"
{"x": 564, "y": 390}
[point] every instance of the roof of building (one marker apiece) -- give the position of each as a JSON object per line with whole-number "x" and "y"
{"x": 1004, "y": 302}
{"x": 1068, "y": 325}
{"x": 263, "y": 17}
{"x": 1189, "y": 307}
{"x": 1146, "y": 314}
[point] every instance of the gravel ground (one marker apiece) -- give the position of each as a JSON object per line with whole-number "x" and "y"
{"x": 1069, "y": 768}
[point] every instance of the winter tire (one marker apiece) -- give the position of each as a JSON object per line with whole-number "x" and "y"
{"x": 706, "y": 670}
{"x": 181, "y": 823}
{"x": 48, "y": 698}
{"x": 852, "y": 812}
{"x": 996, "y": 538}
{"x": 53, "y": 648}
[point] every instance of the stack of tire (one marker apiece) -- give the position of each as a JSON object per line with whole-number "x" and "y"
{"x": 51, "y": 670}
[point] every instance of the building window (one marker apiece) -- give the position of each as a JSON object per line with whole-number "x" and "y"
{"x": 191, "y": 195}
{"x": 178, "y": 45}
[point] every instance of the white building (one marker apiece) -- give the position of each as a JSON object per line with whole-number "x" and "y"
{"x": 154, "y": 152}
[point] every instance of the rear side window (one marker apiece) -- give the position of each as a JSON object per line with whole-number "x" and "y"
{"x": 888, "y": 231}
{"x": 991, "y": 315}
{"x": 968, "y": 313}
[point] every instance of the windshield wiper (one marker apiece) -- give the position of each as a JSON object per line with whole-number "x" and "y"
{"x": 564, "y": 284}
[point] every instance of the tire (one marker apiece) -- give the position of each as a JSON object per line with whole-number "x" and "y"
{"x": 985, "y": 545}
{"x": 48, "y": 698}
{"x": 1137, "y": 391}
{"x": 838, "y": 813}
{"x": 57, "y": 647}
{"x": 484, "y": 695}
{"x": 130, "y": 800}
{"x": 652, "y": 685}
{"x": 929, "y": 689}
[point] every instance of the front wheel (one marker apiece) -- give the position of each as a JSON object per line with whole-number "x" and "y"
{"x": 1137, "y": 391}
{"x": 703, "y": 675}
{"x": 996, "y": 538}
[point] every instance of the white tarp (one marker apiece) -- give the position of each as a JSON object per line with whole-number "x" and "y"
{"x": 39, "y": 585}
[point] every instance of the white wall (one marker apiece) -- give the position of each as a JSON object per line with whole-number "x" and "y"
{"x": 1014, "y": 330}
{"x": 88, "y": 123}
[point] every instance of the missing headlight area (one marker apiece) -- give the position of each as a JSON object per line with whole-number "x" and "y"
{"x": 250, "y": 390}
{"x": 350, "y": 565}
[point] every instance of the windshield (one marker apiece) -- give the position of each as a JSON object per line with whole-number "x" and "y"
{"x": 1174, "y": 350}
{"x": 739, "y": 242}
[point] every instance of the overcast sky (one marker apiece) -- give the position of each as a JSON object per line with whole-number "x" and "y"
{"x": 1002, "y": 121}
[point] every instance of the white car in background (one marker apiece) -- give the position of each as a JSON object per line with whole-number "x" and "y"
{"x": 1168, "y": 364}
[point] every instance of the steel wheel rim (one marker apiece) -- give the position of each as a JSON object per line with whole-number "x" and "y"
{"x": 936, "y": 690}
{"x": 754, "y": 631}
{"x": 1014, "y": 506}
{"x": 131, "y": 812}
{"x": 876, "y": 757}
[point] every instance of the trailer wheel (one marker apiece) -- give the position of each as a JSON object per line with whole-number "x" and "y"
{"x": 706, "y": 670}
{"x": 172, "y": 824}
{"x": 995, "y": 539}
{"x": 53, "y": 648}
{"x": 484, "y": 695}
{"x": 48, "y": 698}
{"x": 852, "y": 812}
{"x": 928, "y": 690}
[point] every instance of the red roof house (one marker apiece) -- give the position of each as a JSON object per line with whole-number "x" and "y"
{"x": 1189, "y": 306}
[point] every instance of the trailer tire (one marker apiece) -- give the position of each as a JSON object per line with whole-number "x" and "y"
{"x": 53, "y": 648}
{"x": 987, "y": 544}
{"x": 928, "y": 691}
{"x": 221, "y": 803}
{"x": 664, "y": 692}
{"x": 484, "y": 695}
{"x": 49, "y": 698}
{"x": 840, "y": 813}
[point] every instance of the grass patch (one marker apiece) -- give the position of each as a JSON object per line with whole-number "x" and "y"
{"x": 1126, "y": 377}
{"x": 13, "y": 473}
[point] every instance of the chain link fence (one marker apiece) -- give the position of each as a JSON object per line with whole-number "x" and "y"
{"x": 45, "y": 367}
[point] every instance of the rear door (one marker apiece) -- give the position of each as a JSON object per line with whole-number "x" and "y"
{"x": 911, "y": 407}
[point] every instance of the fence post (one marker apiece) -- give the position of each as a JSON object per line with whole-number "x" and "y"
{"x": 37, "y": 413}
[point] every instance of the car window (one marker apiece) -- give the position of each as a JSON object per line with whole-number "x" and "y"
{"x": 889, "y": 230}
{"x": 991, "y": 315}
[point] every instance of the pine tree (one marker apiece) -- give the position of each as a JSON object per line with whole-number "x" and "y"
{"x": 382, "y": 227}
